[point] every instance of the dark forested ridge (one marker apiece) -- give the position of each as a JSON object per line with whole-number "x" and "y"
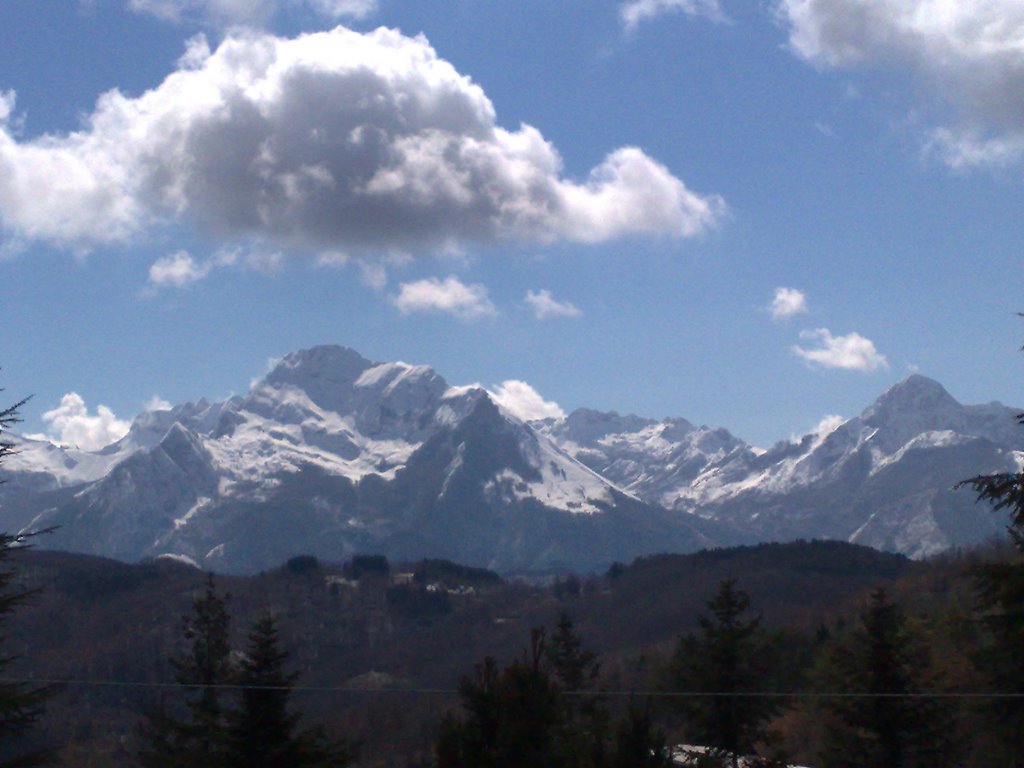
{"x": 379, "y": 648}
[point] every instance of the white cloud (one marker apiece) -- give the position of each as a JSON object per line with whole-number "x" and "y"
{"x": 788, "y": 302}
{"x": 71, "y": 424}
{"x": 825, "y": 426}
{"x": 180, "y": 269}
{"x": 828, "y": 425}
{"x": 8, "y": 100}
{"x": 255, "y": 259}
{"x": 636, "y": 11}
{"x": 373, "y": 270}
{"x": 966, "y": 149}
{"x": 525, "y": 402}
{"x": 851, "y": 352}
{"x": 545, "y": 306}
{"x": 250, "y": 12}
{"x": 157, "y": 403}
{"x": 374, "y": 273}
{"x": 329, "y": 141}
{"x": 177, "y": 270}
{"x": 332, "y": 260}
{"x": 339, "y": 9}
{"x": 449, "y": 296}
{"x": 967, "y": 54}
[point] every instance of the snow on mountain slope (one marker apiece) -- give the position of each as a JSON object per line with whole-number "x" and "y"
{"x": 883, "y": 478}
{"x": 331, "y": 453}
{"x": 658, "y": 461}
{"x": 200, "y": 478}
{"x": 560, "y": 482}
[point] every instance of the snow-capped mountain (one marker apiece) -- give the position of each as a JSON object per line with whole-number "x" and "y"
{"x": 331, "y": 454}
{"x": 658, "y": 461}
{"x": 883, "y": 479}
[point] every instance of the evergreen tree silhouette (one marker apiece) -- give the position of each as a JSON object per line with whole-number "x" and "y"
{"x": 723, "y": 661}
{"x": 891, "y": 723}
{"x": 262, "y": 730}
{"x": 20, "y": 705}
{"x": 199, "y": 740}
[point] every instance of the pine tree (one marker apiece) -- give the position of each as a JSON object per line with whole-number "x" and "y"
{"x": 886, "y": 721}
{"x": 573, "y": 665}
{"x": 521, "y": 717}
{"x": 723, "y": 662}
{"x": 586, "y": 725}
{"x": 514, "y": 717}
{"x": 204, "y": 671}
{"x": 1000, "y": 589}
{"x": 262, "y": 731}
{"x": 20, "y": 705}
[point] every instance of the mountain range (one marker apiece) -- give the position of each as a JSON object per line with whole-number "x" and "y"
{"x": 331, "y": 454}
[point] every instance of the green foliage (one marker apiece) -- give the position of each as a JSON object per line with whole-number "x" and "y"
{"x": 724, "y": 662}
{"x": 8, "y": 418}
{"x": 875, "y": 683}
{"x": 238, "y": 716}
{"x": 1003, "y": 491}
{"x": 630, "y": 619}
{"x": 20, "y": 705}
{"x": 204, "y": 671}
{"x": 513, "y": 716}
{"x": 586, "y": 728}
{"x": 1000, "y": 590}
{"x": 574, "y": 666}
{"x": 534, "y": 713}
{"x": 262, "y": 730}
{"x": 1000, "y": 656}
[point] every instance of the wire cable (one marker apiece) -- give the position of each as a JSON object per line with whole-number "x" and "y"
{"x": 75, "y": 682}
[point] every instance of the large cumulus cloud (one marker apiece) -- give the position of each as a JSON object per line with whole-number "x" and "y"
{"x": 333, "y": 140}
{"x": 967, "y": 54}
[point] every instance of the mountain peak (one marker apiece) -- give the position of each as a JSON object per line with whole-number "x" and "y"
{"x": 911, "y": 407}
{"x": 585, "y": 425}
{"x": 327, "y": 362}
{"x": 916, "y": 394}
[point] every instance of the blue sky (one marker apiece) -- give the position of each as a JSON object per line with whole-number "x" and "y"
{"x": 602, "y": 199}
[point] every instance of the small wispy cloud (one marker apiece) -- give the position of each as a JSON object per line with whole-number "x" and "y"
{"x": 545, "y": 306}
{"x": 177, "y": 271}
{"x": 181, "y": 269}
{"x": 632, "y": 13}
{"x": 851, "y": 352}
{"x": 157, "y": 403}
{"x": 525, "y": 402}
{"x": 787, "y": 303}
{"x": 449, "y": 296}
{"x": 249, "y": 12}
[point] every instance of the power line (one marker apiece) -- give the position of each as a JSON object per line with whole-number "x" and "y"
{"x": 73, "y": 682}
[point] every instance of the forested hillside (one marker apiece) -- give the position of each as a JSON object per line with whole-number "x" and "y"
{"x": 380, "y": 647}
